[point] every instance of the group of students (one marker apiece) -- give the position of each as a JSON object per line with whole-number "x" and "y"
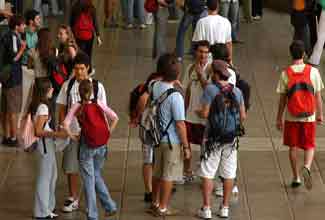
{"x": 64, "y": 103}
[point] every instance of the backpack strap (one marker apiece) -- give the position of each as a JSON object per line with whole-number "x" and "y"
{"x": 95, "y": 87}
{"x": 69, "y": 88}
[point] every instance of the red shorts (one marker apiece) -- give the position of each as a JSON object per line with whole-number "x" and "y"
{"x": 299, "y": 134}
{"x": 194, "y": 133}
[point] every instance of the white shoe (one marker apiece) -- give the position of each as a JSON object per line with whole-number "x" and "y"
{"x": 70, "y": 205}
{"x": 53, "y": 215}
{"x": 257, "y": 18}
{"x": 204, "y": 213}
{"x": 224, "y": 212}
{"x": 143, "y": 26}
{"x": 130, "y": 26}
{"x": 235, "y": 190}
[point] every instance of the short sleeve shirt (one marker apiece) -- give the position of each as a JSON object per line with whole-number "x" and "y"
{"x": 212, "y": 90}
{"x": 171, "y": 109}
{"x": 282, "y": 88}
{"x": 75, "y": 97}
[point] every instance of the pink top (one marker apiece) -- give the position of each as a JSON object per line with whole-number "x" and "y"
{"x": 111, "y": 115}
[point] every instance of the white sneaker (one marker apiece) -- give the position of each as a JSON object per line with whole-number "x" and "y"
{"x": 224, "y": 212}
{"x": 70, "y": 205}
{"x": 53, "y": 215}
{"x": 143, "y": 26}
{"x": 235, "y": 190}
{"x": 130, "y": 26}
{"x": 204, "y": 213}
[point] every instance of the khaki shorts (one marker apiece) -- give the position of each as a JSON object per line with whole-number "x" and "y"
{"x": 168, "y": 162}
{"x": 11, "y": 99}
{"x": 70, "y": 162}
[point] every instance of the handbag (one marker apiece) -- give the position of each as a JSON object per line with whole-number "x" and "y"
{"x": 151, "y": 6}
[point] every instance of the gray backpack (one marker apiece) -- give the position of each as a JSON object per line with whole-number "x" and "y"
{"x": 151, "y": 130}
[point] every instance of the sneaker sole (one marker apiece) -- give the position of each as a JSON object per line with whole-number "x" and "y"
{"x": 307, "y": 179}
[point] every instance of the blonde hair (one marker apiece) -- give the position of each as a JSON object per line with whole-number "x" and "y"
{"x": 85, "y": 90}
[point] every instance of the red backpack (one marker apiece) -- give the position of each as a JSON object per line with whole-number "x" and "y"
{"x": 83, "y": 28}
{"x": 94, "y": 126}
{"x": 151, "y": 6}
{"x": 301, "y": 95}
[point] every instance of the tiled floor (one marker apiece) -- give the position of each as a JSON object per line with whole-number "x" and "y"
{"x": 264, "y": 173}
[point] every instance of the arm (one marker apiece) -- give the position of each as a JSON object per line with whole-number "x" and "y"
{"x": 242, "y": 112}
{"x": 40, "y": 132}
{"x": 111, "y": 115}
{"x": 319, "y": 107}
{"x": 204, "y": 111}
{"x": 281, "y": 108}
{"x": 20, "y": 51}
{"x": 181, "y": 130}
{"x": 229, "y": 48}
{"x": 62, "y": 112}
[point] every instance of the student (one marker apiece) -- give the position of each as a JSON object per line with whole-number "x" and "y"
{"x": 91, "y": 158}
{"x": 221, "y": 154}
{"x": 69, "y": 95}
{"x": 40, "y": 110}
{"x": 111, "y": 13}
{"x": 174, "y": 145}
{"x": 83, "y": 22}
{"x": 214, "y": 28}
{"x": 13, "y": 49}
{"x": 33, "y": 22}
{"x": 196, "y": 78}
{"x": 65, "y": 37}
{"x": 303, "y": 109}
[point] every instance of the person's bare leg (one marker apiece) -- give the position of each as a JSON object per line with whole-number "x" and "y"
{"x": 308, "y": 158}
{"x": 293, "y": 156}
{"x": 73, "y": 180}
{"x": 155, "y": 190}
{"x": 6, "y": 125}
{"x": 207, "y": 187}
{"x": 147, "y": 177}
{"x": 188, "y": 165}
{"x": 13, "y": 123}
{"x": 166, "y": 189}
{"x": 227, "y": 191}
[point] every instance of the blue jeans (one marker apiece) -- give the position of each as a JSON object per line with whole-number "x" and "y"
{"x": 230, "y": 10}
{"x": 140, "y": 11}
{"x": 91, "y": 162}
{"x": 160, "y": 33}
{"x": 186, "y": 21}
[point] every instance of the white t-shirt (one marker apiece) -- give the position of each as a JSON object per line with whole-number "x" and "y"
{"x": 213, "y": 28}
{"x": 190, "y": 79}
{"x": 42, "y": 110}
{"x": 75, "y": 97}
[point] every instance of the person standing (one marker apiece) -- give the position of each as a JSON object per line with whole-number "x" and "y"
{"x": 303, "y": 108}
{"x": 84, "y": 24}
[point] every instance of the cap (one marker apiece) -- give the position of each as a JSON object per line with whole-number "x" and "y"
{"x": 221, "y": 67}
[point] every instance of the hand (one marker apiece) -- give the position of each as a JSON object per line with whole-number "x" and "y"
{"x": 23, "y": 45}
{"x": 99, "y": 41}
{"x": 187, "y": 153}
{"x": 199, "y": 69}
{"x": 162, "y": 3}
{"x": 61, "y": 134}
{"x": 7, "y": 14}
{"x": 279, "y": 124}
{"x": 74, "y": 137}
{"x": 320, "y": 119}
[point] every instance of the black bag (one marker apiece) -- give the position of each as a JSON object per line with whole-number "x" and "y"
{"x": 5, "y": 68}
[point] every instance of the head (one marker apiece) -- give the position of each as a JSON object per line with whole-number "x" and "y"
{"x": 220, "y": 52}
{"x": 33, "y": 18}
{"x": 213, "y": 5}
{"x": 220, "y": 71}
{"x": 202, "y": 50}
{"x": 81, "y": 66}
{"x": 17, "y": 24}
{"x": 65, "y": 35}
{"x": 45, "y": 45}
{"x": 85, "y": 90}
{"x": 42, "y": 93}
{"x": 168, "y": 67}
{"x": 297, "y": 50}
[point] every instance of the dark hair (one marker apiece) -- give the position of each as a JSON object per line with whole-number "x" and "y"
{"x": 85, "y": 90}
{"x": 201, "y": 43}
{"x": 45, "y": 46}
{"x": 83, "y": 6}
{"x": 220, "y": 52}
{"x": 213, "y": 4}
{"x": 40, "y": 90}
{"x": 14, "y": 21}
{"x": 297, "y": 49}
{"x": 167, "y": 67}
{"x": 30, "y": 15}
{"x": 82, "y": 58}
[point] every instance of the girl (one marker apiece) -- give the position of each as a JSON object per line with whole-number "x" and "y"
{"x": 46, "y": 180}
{"x": 91, "y": 160}
{"x": 84, "y": 25}
{"x": 65, "y": 37}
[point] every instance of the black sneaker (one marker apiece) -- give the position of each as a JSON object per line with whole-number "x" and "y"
{"x": 12, "y": 143}
{"x": 295, "y": 183}
{"x": 148, "y": 197}
{"x": 5, "y": 141}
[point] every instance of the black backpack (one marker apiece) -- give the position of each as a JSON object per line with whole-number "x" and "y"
{"x": 223, "y": 125}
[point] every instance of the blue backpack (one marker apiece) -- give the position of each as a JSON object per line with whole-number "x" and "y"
{"x": 223, "y": 125}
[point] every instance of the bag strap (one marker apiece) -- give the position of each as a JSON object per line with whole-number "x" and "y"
{"x": 95, "y": 87}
